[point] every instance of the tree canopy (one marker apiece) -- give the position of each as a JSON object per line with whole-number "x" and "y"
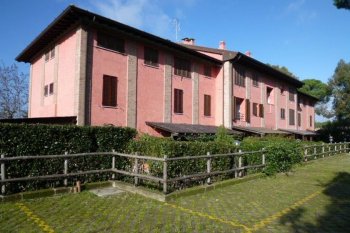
{"x": 13, "y": 92}
{"x": 340, "y": 86}
{"x": 342, "y": 4}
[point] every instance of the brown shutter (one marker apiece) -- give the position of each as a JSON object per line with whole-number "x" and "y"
{"x": 105, "y": 91}
{"x": 181, "y": 101}
{"x": 247, "y": 110}
{"x": 261, "y": 110}
{"x": 234, "y": 108}
{"x": 113, "y": 91}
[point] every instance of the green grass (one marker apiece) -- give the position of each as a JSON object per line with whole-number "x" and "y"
{"x": 245, "y": 203}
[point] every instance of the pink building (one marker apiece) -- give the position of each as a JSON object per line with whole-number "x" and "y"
{"x": 104, "y": 72}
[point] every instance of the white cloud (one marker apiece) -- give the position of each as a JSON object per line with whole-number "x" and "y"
{"x": 300, "y": 11}
{"x": 143, "y": 14}
{"x": 296, "y": 5}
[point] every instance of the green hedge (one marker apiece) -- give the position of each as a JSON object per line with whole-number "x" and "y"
{"x": 20, "y": 140}
{"x": 281, "y": 153}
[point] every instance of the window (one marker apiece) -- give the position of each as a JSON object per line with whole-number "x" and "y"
{"x": 283, "y": 113}
{"x": 291, "y": 117}
{"x": 110, "y": 42}
{"x": 207, "y": 70}
{"x": 237, "y": 103}
{"x": 182, "y": 67}
{"x": 291, "y": 94}
{"x": 311, "y": 121}
{"x": 207, "y": 105}
{"x": 46, "y": 90}
{"x": 109, "y": 97}
{"x": 240, "y": 77}
{"x": 255, "y": 79}
{"x": 255, "y": 109}
{"x": 50, "y": 54}
{"x": 51, "y": 89}
{"x": 151, "y": 56}
{"x": 269, "y": 96}
{"x": 299, "y": 119}
{"x": 261, "y": 110}
{"x": 178, "y": 101}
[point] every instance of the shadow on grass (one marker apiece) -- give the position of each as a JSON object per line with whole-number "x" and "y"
{"x": 337, "y": 213}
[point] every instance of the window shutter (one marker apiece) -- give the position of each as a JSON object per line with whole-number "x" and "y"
{"x": 234, "y": 110}
{"x": 207, "y": 105}
{"x": 247, "y": 110}
{"x": 113, "y": 92}
{"x": 105, "y": 91}
{"x": 261, "y": 110}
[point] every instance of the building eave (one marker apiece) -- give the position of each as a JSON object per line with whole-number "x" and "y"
{"x": 75, "y": 15}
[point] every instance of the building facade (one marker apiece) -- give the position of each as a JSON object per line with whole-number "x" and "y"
{"x": 104, "y": 72}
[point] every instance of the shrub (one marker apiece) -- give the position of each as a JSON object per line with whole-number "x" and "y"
{"x": 20, "y": 140}
{"x": 281, "y": 153}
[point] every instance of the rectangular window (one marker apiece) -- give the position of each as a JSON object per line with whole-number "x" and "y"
{"x": 255, "y": 109}
{"x": 47, "y": 56}
{"x": 255, "y": 79}
{"x": 51, "y": 89}
{"x": 178, "y": 101}
{"x": 151, "y": 56}
{"x": 291, "y": 94}
{"x": 237, "y": 102}
{"x": 269, "y": 95}
{"x": 283, "y": 113}
{"x": 110, "y": 42}
{"x": 207, "y": 70}
{"x": 109, "y": 97}
{"x": 182, "y": 67}
{"x": 207, "y": 105}
{"x": 46, "y": 90}
{"x": 240, "y": 77}
{"x": 291, "y": 117}
{"x": 52, "y": 53}
{"x": 299, "y": 119}
{"x": 261, "y": 110}
{"x": 311, "y": 121}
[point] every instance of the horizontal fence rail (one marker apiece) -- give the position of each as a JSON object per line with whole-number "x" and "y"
{"x": 138, "y": 170}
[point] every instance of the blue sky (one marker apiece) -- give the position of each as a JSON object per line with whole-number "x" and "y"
{"x": 307, "y": 36}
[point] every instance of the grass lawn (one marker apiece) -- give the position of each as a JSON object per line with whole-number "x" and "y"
{"x": 314, "y": 198}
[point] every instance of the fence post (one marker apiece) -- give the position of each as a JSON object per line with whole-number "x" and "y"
{"x": 240, "y": 173}
{"x": 322, "y": 150}
{"x": 113, "y": 165}
{"x": 3, "y": 177}
{"x": 335, "y": 148}
{"x": 315, "y": 152}
{"x": 165, "y": 175}
{"x": 305, "y": 155}
{"x": 65, "y": 169}
{"x": 136, "y": 170}
{"x": 208, "y": 168}
{"x": 263, "y": 156}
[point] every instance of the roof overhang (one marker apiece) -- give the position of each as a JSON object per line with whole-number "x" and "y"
{"x": 300, "y": 132}
{"x": 258, "y": 130}
{"x": 245, "y": 60}
{"x": 74, "y": 16}
{"x": 67, "y": 120}
{"x": 178, "y": 128}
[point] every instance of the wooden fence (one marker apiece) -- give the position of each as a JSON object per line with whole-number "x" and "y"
{"x": 138, "y": 161}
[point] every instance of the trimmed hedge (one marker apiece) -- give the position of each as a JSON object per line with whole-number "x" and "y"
{"x": 20, "y": 140}
{"x": 159, "y": 147}
{"x": 281, "y": 153}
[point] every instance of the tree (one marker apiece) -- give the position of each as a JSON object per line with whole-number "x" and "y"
{"x": 13, "y": 92}
{"x": 321, "y": 91}
{"x": 342, "y": 4}
{"x": 282, "y": 69}
{"x": 340, "y": 86}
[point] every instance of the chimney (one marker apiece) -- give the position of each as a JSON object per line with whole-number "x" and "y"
{"x": 189, "y": 41}
{"x": 222, "y": 45}
{"x": 248, "y": 53}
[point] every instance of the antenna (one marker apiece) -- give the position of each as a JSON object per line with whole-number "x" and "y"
{"x": 177, "y": 28}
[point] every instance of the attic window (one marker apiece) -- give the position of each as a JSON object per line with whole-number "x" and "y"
{"x": 50, "y": 54}
{"x": 110, "y": 42}
{"x": 182, "y": 67}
